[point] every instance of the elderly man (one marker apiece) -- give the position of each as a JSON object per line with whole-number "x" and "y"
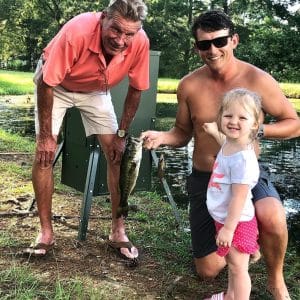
{"x": 90, "y": 54}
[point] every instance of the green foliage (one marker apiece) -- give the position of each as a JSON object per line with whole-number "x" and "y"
{"x": 168, "y": 29}
{"x": 269, "y": 32}
{"x": 32, "y": 24}
{"x": 269, "y": 47}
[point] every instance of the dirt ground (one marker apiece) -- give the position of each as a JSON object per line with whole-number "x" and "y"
{"x": 91, "y": 259}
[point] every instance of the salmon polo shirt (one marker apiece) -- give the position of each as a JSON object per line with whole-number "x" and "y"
{"x": 74, "y": 58}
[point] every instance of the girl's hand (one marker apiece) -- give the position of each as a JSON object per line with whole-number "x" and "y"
{"x": 211, "y": 128}
{"x": 224, "y": 237}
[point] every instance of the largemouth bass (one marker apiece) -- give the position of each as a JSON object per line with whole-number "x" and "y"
{"x": 130, "y": 166}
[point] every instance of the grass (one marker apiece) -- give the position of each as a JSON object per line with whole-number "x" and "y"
{"x": 7, "y": 240}
{"x": 296, "y": 104}
{"x": 167, "y": 85}
{"x": 20, "y": 282}
{"x": 156, "y": 231}
{"x": 15, "y": 143}
{"x": 291, "y": 90}
{"x": 20, "y": 83}
{"x": 166, "y": 98}
{"x": 27, "y": 285}
{"x": 15, "y": 83}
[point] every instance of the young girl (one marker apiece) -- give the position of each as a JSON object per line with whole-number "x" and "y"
{"x": 235, "y": 173}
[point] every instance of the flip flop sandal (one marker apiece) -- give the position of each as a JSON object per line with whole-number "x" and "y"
{"x": 116, "y": 246}
{"x": 33, "y": 249}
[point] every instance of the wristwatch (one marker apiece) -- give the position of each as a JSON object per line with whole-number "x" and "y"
{"x": 260, "y": 132}
{"x": 121, "y": 133}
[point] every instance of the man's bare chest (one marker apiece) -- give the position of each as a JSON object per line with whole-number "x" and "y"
{"x": 204, "y": 110}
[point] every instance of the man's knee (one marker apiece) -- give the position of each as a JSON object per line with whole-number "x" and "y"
{"x": 271, "y": 216}
{"x": 210, "y": 266}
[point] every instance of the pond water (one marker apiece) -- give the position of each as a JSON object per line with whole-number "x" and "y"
{"x": 281, "y": 157}
{"x": 17, "y": 115}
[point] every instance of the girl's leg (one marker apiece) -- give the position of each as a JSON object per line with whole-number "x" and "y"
{"x": 230, "y": 289}
{"x": 239, "y": 283}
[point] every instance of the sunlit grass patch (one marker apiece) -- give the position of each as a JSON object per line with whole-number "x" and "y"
{"x": 16, "y": 179}
{"x": 166, "y": 98}
{"x": 85, "y": 288}
{"x": 11, "y": 170}
{"x": 167, "y": 85}
{"x": 296, "y": 104}
{"x": 16, "y": 83}
{"x": 291, "y": 90}
{"x": 10, "y": 142}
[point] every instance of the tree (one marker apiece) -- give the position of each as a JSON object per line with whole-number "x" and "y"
{"x": 30, "y": 25}
{"x": 168, "y": 27}
{"x": 268, "y": 31}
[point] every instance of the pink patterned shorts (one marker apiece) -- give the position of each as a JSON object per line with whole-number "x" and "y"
{"x": 244, "y": 238}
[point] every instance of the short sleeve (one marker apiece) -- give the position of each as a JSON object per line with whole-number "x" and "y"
{"x": 244, "y": 169}
{"x": 139, "y": 70}
{"x": 60, "y": 55}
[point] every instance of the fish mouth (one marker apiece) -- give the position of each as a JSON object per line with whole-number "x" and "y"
{"x": 135, "y": 141}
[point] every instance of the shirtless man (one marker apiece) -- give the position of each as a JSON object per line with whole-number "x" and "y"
{"x": 198, "y": 97}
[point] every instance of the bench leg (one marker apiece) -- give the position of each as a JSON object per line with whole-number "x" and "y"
{"x": 88, "y": 193}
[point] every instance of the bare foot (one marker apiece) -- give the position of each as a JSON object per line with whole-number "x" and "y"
{"x": 41, "y": 246}
{"x": 129, "y": 253}
{"x": 279, "y": 293}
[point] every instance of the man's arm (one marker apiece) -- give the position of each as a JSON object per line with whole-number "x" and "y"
{"x": 130, "y": 107}
{"x": 274, "y": 103}
{"x": 46, "y": 143}
{"x": 181, "y": 133}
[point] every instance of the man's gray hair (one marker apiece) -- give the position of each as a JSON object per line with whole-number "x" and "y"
{"x": 134, "y": 10}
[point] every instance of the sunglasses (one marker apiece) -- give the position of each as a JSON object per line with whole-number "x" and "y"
{"x": 217, "y": 42}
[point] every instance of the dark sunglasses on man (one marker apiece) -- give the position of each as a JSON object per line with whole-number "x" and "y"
{"x": 218, "y": 42}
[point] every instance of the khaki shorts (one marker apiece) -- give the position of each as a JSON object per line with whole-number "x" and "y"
{"x": 96, "y": 109}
